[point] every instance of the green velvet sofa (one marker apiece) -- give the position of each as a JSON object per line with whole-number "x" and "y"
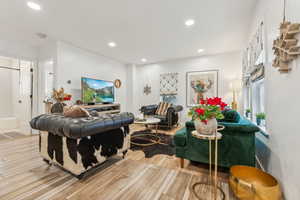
{"x": 237, "y": 146}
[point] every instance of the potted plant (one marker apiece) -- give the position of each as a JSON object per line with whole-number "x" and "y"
{"x": 248, "y": 111}
{"x": 206, "y": 114}
{"x": 260, "y": 117}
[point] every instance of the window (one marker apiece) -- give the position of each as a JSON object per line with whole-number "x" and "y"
{"x": 254, "y": 60}
{"x": 258, "y": 91}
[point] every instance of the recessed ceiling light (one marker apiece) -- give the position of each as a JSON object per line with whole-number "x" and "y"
{"x": 112, "y": 44}
{"x": 200, "y": 50}
{"x": 189, "y": 22}
{"x": 41, "y": 35}
{"x": 144, "y": 60}
{"x": 34, "y": 5}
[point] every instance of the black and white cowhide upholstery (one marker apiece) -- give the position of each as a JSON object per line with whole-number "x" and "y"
{"x": 79, "y": 144}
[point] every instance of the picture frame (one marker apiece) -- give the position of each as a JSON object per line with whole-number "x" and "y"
{"x": 201, "y": 85}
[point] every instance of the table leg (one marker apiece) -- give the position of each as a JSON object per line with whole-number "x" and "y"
{"x": 210, "y": 163}
{"x": 216, "y": 168}
{"x": 210, "y": 177}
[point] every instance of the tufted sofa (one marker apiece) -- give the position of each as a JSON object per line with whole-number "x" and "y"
{"x": 237, "y": 146}
{"x": 169, "y": 120}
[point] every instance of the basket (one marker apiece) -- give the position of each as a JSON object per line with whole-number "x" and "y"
{"x": 249, "y": 183}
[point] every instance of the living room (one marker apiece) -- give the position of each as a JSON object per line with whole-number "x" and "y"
{"x": 147, "y": 100}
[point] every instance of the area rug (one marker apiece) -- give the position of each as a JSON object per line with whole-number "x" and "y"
{"x": 165, "y": 146}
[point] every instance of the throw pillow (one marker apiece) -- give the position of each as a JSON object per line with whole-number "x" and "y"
{"x": 75, "y": 111}
{"x": 231, "y": 116}
{"x": 163, "y": 108}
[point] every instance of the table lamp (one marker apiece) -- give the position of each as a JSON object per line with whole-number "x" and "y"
{"x": 236, "y": 86}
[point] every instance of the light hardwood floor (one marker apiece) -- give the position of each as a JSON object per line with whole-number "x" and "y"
{"x": 23, "y": 175}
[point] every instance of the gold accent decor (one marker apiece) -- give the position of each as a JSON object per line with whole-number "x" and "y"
{"x": 235, "y": 86}
{"x": 252, "y": 183}
{"x": 118, "y": 83}
{"x": 60, "y": 95}
{"x": 215, "y": 192}
{"x": 285, "y": 46}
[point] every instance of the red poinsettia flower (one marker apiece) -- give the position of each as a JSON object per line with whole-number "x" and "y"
{"x": 217, "y": 100}
{"x": 223, "y": 105}
{"x": 208, "y": 108}
{"x": 204, "y": 121}
{"x": 212, "y": 101}
{"x": 202, "y": 101}
{"x": 200, "y": 111}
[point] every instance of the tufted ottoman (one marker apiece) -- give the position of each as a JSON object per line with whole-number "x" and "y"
{"x": 79, "y": 144}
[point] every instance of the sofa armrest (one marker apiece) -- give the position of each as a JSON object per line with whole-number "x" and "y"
{"x": 149, "y": 109}
{"x": 242, "y": 126}
{"x": 190, "y": 125}
{"x": 177, "y": 108}
{"x": 180, "y": 137}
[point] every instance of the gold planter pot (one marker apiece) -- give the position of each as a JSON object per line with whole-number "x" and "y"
{"x": 249, "y": 183}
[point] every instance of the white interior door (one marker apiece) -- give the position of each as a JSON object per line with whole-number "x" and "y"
{"x": 16, "y": 88}
{"x": 23, "y": 103}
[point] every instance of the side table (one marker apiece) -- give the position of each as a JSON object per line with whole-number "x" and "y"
{"x": 214, "y": 191}
{"x": 150, "y": 138}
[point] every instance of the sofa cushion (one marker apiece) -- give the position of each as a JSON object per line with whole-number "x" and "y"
{"x": 163, "y": 108}
{"x": 80, "y": 127}
{"x": 161, "y": 117}
{"x": 231, "y": 116}
{"x": 180, "y": 137}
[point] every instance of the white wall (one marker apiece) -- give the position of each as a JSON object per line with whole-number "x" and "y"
{"x": 131, "y": 77}
{"x": 18, "y": 50}
{"x": 74, "y": 63}
{"x": 5, "y": 91}
{"x": 229, "y": 66}
{"x": 47, "y": 61}
{"x": 15, "y": 50}
{"x": 282, "y": 101}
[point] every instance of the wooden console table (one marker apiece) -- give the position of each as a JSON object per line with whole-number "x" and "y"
{"x": 104, "y": 108}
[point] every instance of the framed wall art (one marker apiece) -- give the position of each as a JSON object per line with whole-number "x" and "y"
{"x": 201, "y": 85}
{"x": 169, "y": 84}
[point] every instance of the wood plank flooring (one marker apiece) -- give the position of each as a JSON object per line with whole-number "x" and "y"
{"x": 24, "y": 176}
{"x": 6, "y": 135}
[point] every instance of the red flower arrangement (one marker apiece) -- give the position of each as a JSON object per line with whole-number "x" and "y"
{"x": 67, "y": 97}
{"x": 60, "y": 95}
{"x": 208, "y": 109}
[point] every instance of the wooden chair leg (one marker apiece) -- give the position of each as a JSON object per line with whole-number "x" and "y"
{"x": 181, "y": 162}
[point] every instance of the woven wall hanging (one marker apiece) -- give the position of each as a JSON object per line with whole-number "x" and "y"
{"x": 168, "y": 84}
{"x": 285, "y": 46}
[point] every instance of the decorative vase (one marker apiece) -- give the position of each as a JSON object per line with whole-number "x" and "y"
{"x": 258, "y": 121}
{"x": 208, "y": 128}
{"x": 247, "y": 114}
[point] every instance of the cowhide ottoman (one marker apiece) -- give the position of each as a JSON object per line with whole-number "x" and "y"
{"x": 79, "y": 144}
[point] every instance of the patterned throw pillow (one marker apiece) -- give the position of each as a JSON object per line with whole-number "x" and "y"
{"x": 75, "y": 111}
{"x": 163, "y": 108}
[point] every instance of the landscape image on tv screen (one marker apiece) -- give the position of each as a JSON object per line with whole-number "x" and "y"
{"x": 97, "y": 91}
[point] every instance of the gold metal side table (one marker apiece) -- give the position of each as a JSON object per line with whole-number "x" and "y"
{"x": 212, "y": 184}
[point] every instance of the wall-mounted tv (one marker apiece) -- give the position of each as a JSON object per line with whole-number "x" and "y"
{"x": 97, "y": 91}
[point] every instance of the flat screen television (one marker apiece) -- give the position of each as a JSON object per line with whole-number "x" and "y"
{"x": 97, "y": 91}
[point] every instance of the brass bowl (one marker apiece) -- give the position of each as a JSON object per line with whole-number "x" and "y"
{"x": 249, "y": 183}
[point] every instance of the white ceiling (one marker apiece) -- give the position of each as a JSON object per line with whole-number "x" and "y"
{"x": 152, "y": 29}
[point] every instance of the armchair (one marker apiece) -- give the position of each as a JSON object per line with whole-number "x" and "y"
{"x": 169, "y": 120}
